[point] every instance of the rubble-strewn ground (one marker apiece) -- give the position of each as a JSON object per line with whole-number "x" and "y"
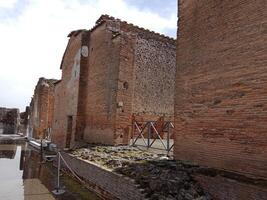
{"x": 160, "y": 177}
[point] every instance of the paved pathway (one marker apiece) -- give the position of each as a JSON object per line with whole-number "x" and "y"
{"x": 35, "y": 190}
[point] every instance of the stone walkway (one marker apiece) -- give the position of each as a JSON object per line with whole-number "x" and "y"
{"x": 35, "y": 190}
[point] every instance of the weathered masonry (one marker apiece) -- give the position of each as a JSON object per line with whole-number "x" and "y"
{"x": 41, "y": 109}
{"x": 220, "y": 94}
{"x": 9, "y": 120}
{"x": 112, "y": 74}
{"x": 24, "y": 120}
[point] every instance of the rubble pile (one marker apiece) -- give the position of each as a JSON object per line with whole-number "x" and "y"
{"x": 158, "y": 176}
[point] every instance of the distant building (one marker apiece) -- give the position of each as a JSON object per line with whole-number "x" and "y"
{"x": 9, "y": 120}
{"x": 24, "y": 120}
{"x": 41, "y": 109}
{"x": 112, "y": 74}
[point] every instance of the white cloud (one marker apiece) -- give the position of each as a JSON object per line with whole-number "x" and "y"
{"x": 32, "y": 45}
{"x": 7, "y": 3}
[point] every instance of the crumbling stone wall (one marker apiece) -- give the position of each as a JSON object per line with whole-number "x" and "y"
{"x": 41, "y": 109}
{"x": 9, "y": 120}
{"x": 220, "y": 95}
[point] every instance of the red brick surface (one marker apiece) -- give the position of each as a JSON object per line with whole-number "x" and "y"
{"x": 67, "y": 91}
{"x": 220, "y": 95}
{"x": 101, "y": 86}
{"x": 41, "y": 108}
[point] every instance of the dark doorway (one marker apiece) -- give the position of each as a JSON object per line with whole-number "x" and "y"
{"x": 69, "y": 131}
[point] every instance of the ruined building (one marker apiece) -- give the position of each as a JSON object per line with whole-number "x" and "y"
{"x": 41, "y": 109}
{"x": 9, "y": 120}
{"x": 112, "y": 74}
{"x": 24, "y": 120}
{"x": 220, "y": 94}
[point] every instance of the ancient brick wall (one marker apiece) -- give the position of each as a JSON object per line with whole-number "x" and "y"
{"x": 131, "y": 72}
{"x": 67, "y": 92}
{"x": 154, "y": 75}
{"x": 82, "y": 93}
{"x": 110, "y": 84}
{"x": 124, "y": 98}
{"x": 220, "y": 95}
{"x": 146, "y": 80}
{"x": 9, "y": 120}
{"x": 42, "y": 108}
{"x": 101, "y": 87}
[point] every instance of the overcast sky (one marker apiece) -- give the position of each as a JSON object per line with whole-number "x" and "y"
{"x": 33, "y": 36}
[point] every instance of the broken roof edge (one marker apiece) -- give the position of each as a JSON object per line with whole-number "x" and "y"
{"x": 73, "y": 33}
{"x": 76, "y": 32}
{"x": 48, "y": 80}
{"x": 105, "y": 18}
{"x": 57, "y": 82}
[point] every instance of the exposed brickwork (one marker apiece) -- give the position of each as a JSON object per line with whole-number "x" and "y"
{"x": 9, "y": 120}
{"x": 67, "y": 92}
{"x": 41, "y": 109}
{"x": 126, "y": 87}
{"x": 102, "y": 86}
{"x": 82, "y": 93}
{"x": 125, "y": 90}
{"x": 126, "y": 67}
{"x": 220, "y": 100}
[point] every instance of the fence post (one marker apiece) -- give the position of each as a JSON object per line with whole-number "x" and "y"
{"x": 41, "y": 151}
{"x": 168, "y": 138}
{"x": 132, "y": 134}
{"x": 58, "y": 191}
{"x": 149, "y": 134}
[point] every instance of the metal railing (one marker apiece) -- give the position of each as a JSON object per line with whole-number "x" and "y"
{"x": 150, "y": 133}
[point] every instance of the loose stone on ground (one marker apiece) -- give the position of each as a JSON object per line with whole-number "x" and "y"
{"x": 158, "y": 176}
